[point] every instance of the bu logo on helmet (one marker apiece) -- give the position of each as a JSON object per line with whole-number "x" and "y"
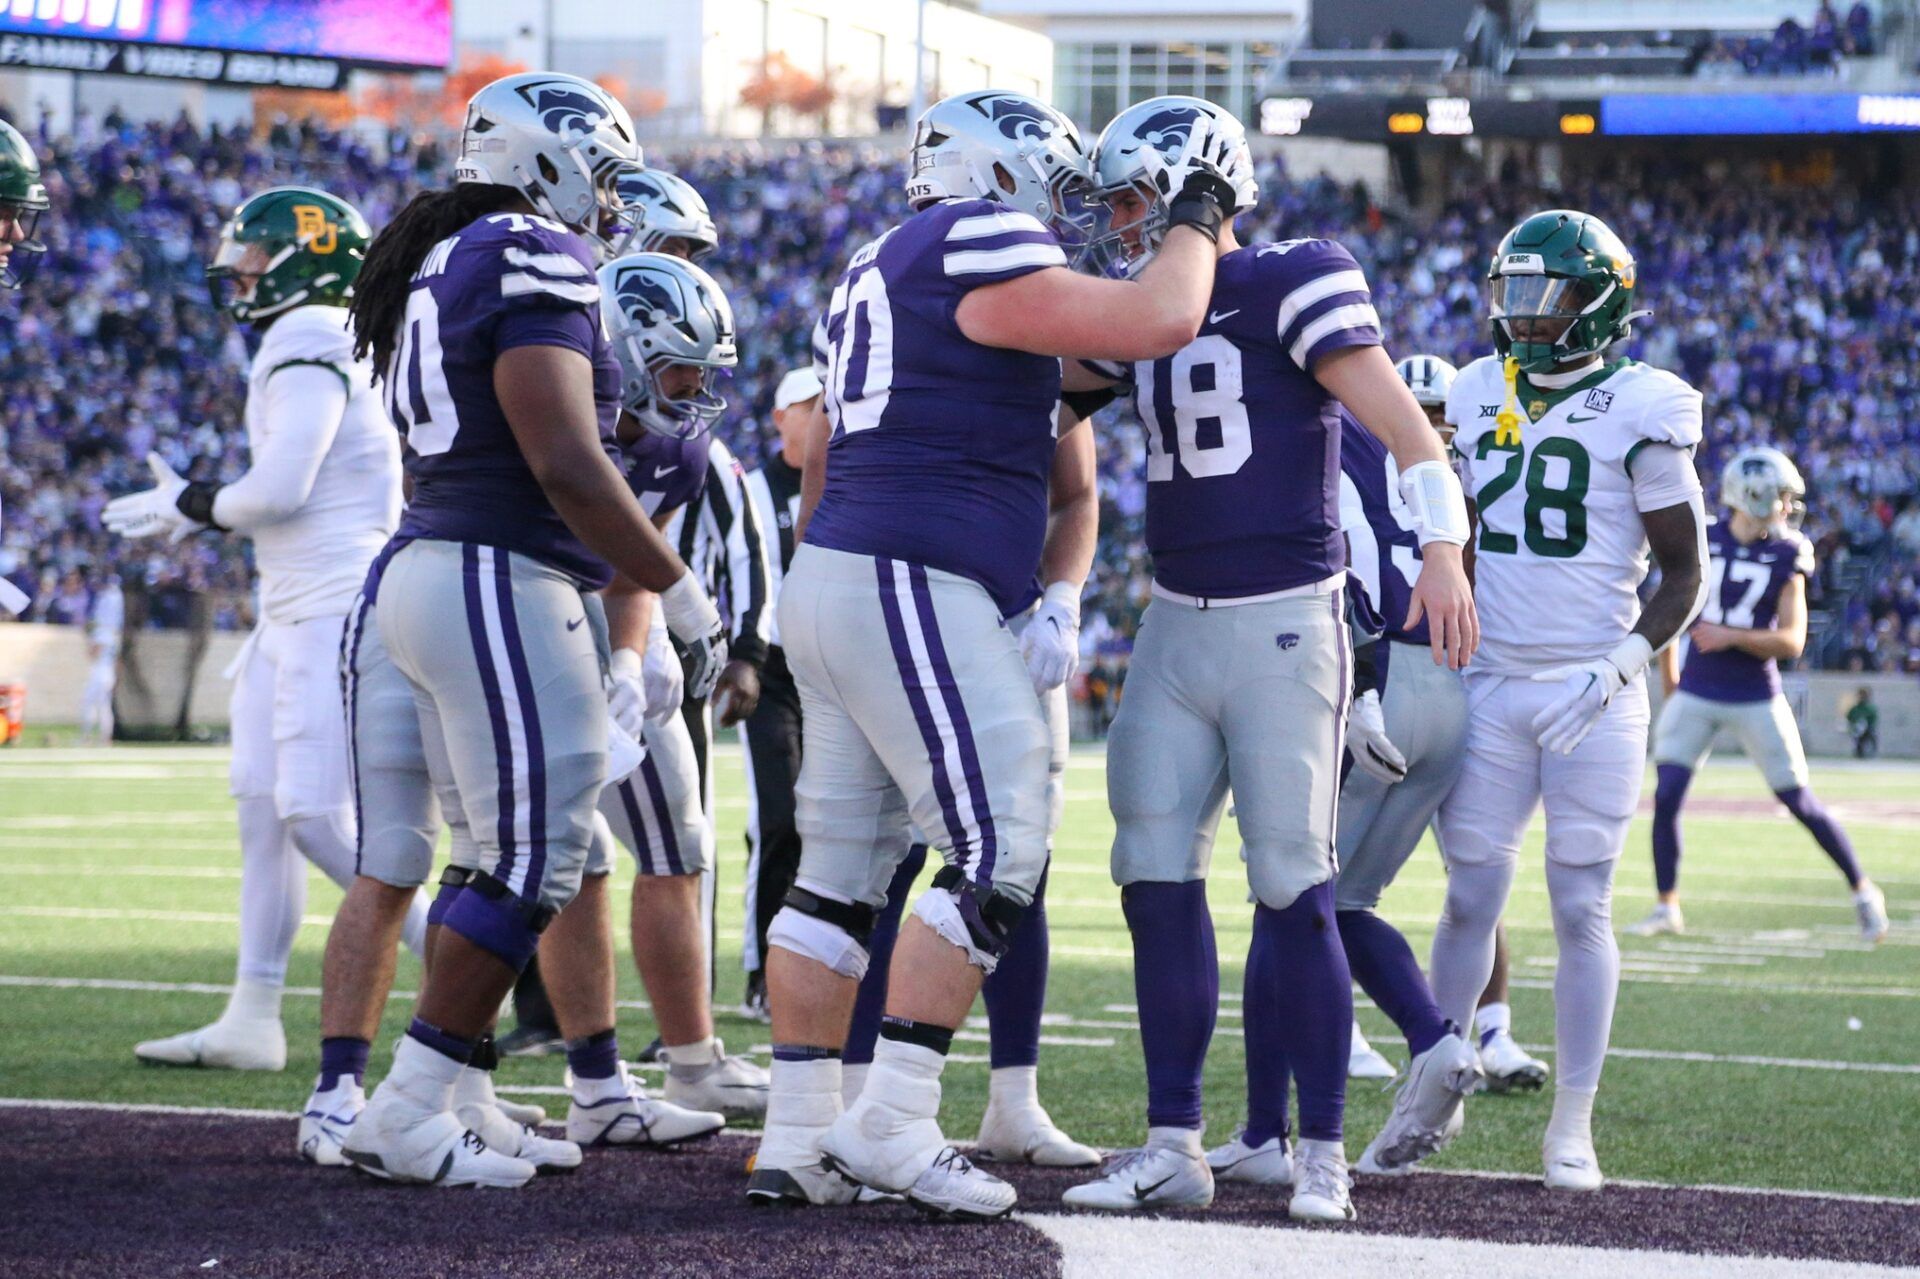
{"x": 1166, "y": 131}
{"x": 1016, "y": 117}
{"x": 563, "y": 108}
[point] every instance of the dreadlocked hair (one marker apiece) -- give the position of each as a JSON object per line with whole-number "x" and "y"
{"x": 380, "y": 294}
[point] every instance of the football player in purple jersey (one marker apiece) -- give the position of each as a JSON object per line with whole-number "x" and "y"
{"x": 1239, "y": 675}
{"x": 481, "y": 311}
{"x": 1755, "y": 616}
{"x": 944, "y": 341}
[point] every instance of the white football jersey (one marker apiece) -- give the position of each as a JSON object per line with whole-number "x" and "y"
{"x": 313, "y": 562}
{"x": 1561, "y": 550}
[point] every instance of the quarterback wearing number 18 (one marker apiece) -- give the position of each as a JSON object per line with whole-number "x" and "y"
{"x": 1577, "y": 462}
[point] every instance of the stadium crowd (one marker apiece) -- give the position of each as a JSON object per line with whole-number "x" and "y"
{"x": 1796, "y": 315}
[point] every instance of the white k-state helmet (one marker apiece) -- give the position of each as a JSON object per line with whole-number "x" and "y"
{"x": 971, "y": 145}
{"x": 663, "y": 310}
{"x": 559, "y": 140}
{"x": 1758, "y": 480}
{"x": 1429, "y": 377}
{"x": 1142, "y": 141}
{"x": 659, "y": 207}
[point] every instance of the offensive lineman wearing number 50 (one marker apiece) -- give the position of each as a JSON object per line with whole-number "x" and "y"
{"x": 1578, "y": 462}
{"x": 1240, "y": 672}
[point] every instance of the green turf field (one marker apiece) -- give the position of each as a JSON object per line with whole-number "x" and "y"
{"x": 1769, "y": 1047}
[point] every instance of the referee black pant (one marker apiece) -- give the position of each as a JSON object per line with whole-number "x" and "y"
{"x": 772, "y": 735}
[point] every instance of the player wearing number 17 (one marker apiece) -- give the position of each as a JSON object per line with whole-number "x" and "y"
{"x": 943, "y": 376}
{"x": 1578, "y": 462}
{"x": 1239, "y": 675}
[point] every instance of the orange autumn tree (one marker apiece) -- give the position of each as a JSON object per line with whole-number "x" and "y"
{"x": 400, "y": 99}
{"x": 776, "y": 82}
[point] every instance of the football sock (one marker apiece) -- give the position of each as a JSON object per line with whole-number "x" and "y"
{"x": 273, "y": 892}
{"x": 423, "y": 1073}
{"x": 328, "y": 842}
{"x": 1017, "y": 1087}
{"x": 1833, "y": 841}
{"x": 803, "y": 1100}
{"x": 1572, "y": 1119}
{"x": 853, "y": 1078}
{"x": 1184, "y": 1140}
{"x": 1268, "y": 1079}
{"x": 904, "y": 1077}
{"x": 924, "y": 1034}
{"x": 1384, "y": 965}
{"x": 253, "y": 1001}
{"x": 1587, "y": 978}
{"x": 690, "y": 1061}
{"x": 871, "y": 1003}
{"x": 1463, "y": 939}
{"x": 595, "y": 1056}
{"x": 1314, "y": 1008}
{"x": 1492, "y": 1019}
{"x": 456, "y": 1048}
{"x": 1669, "y": 791}
{"x": 342, "y": 1057}
{"x": 1176, "y": 983}
{"x": 1016, "y": 991}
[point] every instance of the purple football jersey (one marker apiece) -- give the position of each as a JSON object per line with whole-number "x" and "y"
{"x": 1744, "y": 581}
{"x": 940, "y": 445}
{"x": 1243, "y": 446}
{"x": 505, "y": 280}
{"x": 1384, "y": 550}
{"x": 665, "y": 474}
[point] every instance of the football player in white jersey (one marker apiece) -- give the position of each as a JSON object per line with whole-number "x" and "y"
{"x": 1578, "y": 463}
{"x": 1756, "y": 614}
{"x": 320, "y": 498}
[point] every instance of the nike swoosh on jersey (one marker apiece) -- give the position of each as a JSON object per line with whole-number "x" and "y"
{"x": 1575, "y": 417}
{"x": 659, "y": 471}
{"x": 1217, "y": 316}
{"x": 574, "y": 625}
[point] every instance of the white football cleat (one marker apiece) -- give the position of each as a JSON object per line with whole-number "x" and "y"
{"x": 1870, "y": 904}
{"x": 521, "y": 1113}
{"x": 224, "y": 1045}
{"x": 1427, "y": 1111}
{"x": 1664, "y": 919}
{"x": 803, "y": 1187}
{"x": 1026, "y": 1134}
{"x": 1509, "y": 1067}
{"x": 1321, "y": 1182}
{"x": 618, "y": 1112}
{"x": 546, "y": 1154}
{"x": 734, "y": 1086}
{"x": 326, "y": 1120}
{"x": 1150, "y": 1177}
{"x": 1363, "y": 1062}
{"x": 1572, "y": 1165}
{"x": 1268, "y": 1164}
{"x": 397, "y": 1139}
{"x": 884, "y": 1148}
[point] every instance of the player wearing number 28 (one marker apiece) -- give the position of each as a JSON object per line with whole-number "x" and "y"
{"x": 1578, "y": 460}
{"x": 1240, "y": 674}
{"x": 943, "y": 343}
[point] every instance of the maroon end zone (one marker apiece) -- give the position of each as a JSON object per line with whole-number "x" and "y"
{"x": 106, "y": 1193}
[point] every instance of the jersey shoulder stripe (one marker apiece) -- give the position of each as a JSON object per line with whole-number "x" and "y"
{"x": 1357, "y": 324}
{"x": 1000, "y": 222}
{"x": 1319, "y": 289}
{"x": 522, "y": 283}
{"x": 563, "y": 264}
{"x": 1008, "y": 258}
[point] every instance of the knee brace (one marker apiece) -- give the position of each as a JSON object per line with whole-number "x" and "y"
{"x": 978, "y": 918}
{"x": 453, "y": 882}
{"x": 829, "y": 932}
{"x": 497, "y": 920}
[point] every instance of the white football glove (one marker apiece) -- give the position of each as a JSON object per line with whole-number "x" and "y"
{"x": 663, "y": 679}
{"x": 1050, "y": 643}
{"x": 694, "y": 621}
{"x": 153, "y": 511}
{"x": 626, "y": 691}
{"x": 1206, "y": 152}
{"x": 1373, "y": 752}
{"x": 1586, "y": 689}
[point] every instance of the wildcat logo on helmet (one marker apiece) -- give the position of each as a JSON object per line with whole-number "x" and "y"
{"x": 1167, "y": 131}
{"x": 564, "y": 108}
{"x": 639, "y": 289}
{"x": 1016, "y": 117}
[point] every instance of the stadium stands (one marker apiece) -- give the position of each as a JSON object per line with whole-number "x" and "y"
{"x": 1793, "y": 313}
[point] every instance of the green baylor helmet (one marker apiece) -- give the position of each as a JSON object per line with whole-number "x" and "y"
{"x": 23, "y": 195}
{"x": 1563, "y": 267}
{"x": 305, "y": 246}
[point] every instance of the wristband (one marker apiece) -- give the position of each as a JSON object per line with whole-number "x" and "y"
{"x": 625, "y": 664}
{"x": 690, "y": 614}
{"x": 1199, "y": 208}
{"x": 1630, "y": 656}
{"x": 196, "y": 503}
{"x": 1439, "y": 509}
